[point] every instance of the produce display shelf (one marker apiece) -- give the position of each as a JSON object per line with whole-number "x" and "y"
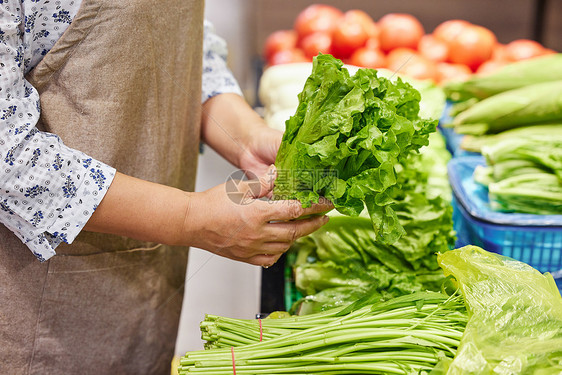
{"x": 533, "y": 239}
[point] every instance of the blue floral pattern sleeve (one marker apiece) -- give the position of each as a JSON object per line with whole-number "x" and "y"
{"x": 48, "y": 191}
{"x": 217, "y": 78}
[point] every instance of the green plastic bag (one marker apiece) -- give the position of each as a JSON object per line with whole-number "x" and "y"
{"x": 515, "y": 315}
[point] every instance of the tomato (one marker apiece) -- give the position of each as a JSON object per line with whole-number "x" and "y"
{"x": 433, "y": 49}
{"x": 399, "y": 30}
{"x": 368, "y": 58}
{"x": 449, "y": 30}
{"x": 365, "y": 20}
{"x": 279, "y": 40}
{"x": 472, "y": 46}
{"x": 288, "y": 56}
{"x": 419, "y": 68}
{"x": 350, "y": 34}
{"x": 407, "y": 62}
{"x": 448, "y": 72}
{"x": 317, "y": 17}
{"x": 318, "y": 42}
{"x": 373, "y": 43}
{"x": 399, "y": 56}
{"x": 490, "y": 66}
{"x": 522, "y": 49}
{"x": 499, "y": 53}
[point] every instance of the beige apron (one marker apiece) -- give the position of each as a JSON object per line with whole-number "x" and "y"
{"x": 123, "y": 84}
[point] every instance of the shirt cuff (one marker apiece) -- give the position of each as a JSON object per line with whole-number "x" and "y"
{"x": 72, "y": 217}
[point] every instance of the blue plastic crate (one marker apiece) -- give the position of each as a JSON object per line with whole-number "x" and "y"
{"x": 533, "y": 239}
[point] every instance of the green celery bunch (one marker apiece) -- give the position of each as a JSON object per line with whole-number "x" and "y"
{"x": 405, "y": 335}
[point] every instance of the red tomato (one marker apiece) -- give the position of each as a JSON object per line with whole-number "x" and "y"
{"x": 368, "y": 58}
{"x": 399, "y": 56}
{"x": 317, "y": 17}
{"x": 399, "y": 30}
{"x": 279, "y": 40}
{"x": 472, "y": 46}
{"x": 490, "y": 66}
{"x": 409, "y": 63}
{"x": 499, "y": 53}
{"x": 318, "y": 42}
{"x": 288, "y": 56}
{"x": 522, "y": 49}
{"x": 421, "y": 68}
{"x": 373, "y": 43}
{"x": 365, "y": 20}
{"x": 350, "y": 34}
{"x": 449, "y": 30}
{"x": 448, "y": 72}
{"x": 433, "y": 49}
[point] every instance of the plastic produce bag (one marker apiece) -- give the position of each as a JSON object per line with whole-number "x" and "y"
{"x": 515, "y": 315}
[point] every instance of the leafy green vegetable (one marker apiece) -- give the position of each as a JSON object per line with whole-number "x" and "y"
{"x": 524, "y": 174}
{"x": 535, "y": 104}
{"x": 345, "y": 139}
{"x": 512, "y": 76}
{"x": 474, "y": 143}
{"x": 345, "y": 258}
{"x": 533, "y": 193}
{"x": 515, "y": 315}
{"x": 405, "y": 335}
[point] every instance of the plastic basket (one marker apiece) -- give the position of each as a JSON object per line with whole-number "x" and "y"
{"x": 533, "y": 239}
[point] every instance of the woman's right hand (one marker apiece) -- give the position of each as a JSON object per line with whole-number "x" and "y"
{"x": 251, "y": 230}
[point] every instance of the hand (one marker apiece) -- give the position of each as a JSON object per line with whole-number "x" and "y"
{"x": 234, "y": 130}
{"x": 253, "y": 231}
{"x": 261, "y": 150}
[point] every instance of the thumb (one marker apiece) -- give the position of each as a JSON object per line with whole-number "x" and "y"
{"x": 263, "y": 186}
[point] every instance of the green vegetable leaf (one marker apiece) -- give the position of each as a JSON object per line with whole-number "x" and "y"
{"x": 345, "y": 140}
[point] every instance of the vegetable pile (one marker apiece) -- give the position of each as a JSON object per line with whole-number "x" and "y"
{"x": 408, "y": 334}
{"x": 524, "y": 174}
{"x": 344, "y": 260}
{"x": 514, "y": 119}
{"x": 348, "y": 135}
{"x": 454, "y": 50}
{"x": 507, "y": 319}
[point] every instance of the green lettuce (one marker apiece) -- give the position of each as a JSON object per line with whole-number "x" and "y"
{"x": 523, "y": 174}
{"x": 347, "y": 137}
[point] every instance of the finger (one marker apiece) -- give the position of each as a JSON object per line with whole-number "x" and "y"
{"x": 276, "y": 248}
{"x": 292, "y": 209}
{"x": 290, "y": 231}
{"x": 264, "y": 260}
{"x": 261, "y": 187}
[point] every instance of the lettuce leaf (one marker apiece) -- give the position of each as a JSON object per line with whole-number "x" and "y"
{"x": 346, "y": 139}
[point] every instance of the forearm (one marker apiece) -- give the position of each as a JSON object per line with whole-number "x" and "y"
{"x": 228, "y": 123}
{"x": 142, "y": 210}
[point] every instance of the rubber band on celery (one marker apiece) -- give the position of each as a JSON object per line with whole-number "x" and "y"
{"x": 233, "y": 361}
{"x": 261, "y": 330}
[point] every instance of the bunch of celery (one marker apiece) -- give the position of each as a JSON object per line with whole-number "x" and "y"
{"x": 408, "y": 334}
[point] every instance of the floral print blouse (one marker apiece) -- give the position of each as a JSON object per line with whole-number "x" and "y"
{"x": 48, "y": 191}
